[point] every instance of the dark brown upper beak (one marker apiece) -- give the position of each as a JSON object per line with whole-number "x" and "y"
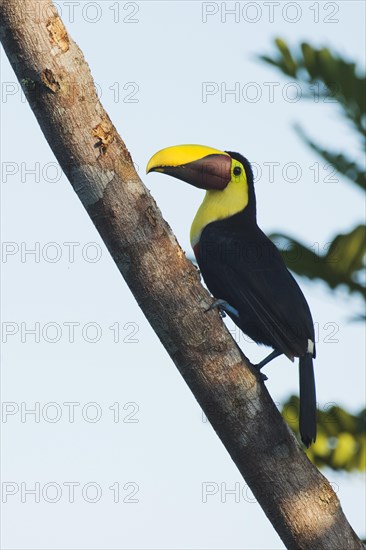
{"x": 210, "y": 172}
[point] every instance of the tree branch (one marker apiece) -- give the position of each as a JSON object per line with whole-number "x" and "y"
{"x": 55, "y": 78}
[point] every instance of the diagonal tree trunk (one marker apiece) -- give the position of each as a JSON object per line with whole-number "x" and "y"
{"x": 57, "y": 82}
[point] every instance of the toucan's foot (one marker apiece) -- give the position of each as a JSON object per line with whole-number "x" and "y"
{"x": 224, "y": 307}
{"x": 261, "y": 375}
{"x": 275, "y": 353}
{"x": 257, "y": 370}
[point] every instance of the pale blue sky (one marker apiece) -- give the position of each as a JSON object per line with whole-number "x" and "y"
{"x": 162, "y": 60}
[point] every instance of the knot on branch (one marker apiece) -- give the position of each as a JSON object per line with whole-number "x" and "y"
{"x": 58, "y": 34}
{"x": 49, "y": 80}
{"x": 150, "y": 214}
{"x": 104, "y": 133}
{"x": 327, "y": 496}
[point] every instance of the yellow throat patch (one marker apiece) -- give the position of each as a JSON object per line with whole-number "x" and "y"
{"x": 218, "y": 205}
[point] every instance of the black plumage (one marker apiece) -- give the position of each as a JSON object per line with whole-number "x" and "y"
{"x": 242, "y": 266}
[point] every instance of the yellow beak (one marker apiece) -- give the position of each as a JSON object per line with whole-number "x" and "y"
{"x": 177, "y": 155}
{"x": 201, "y": 166}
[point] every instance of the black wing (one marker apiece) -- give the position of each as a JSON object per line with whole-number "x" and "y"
{"x": 248, "y": 272}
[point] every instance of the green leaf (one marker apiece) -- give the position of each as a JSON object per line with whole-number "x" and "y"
{"x": 339, "y": 76}
{"x": 288, "y": 64}
{"x": 308, "y": 58}
{"x": 338, "y": 266}
{"x": 340, "y": 162}
{"x": 341, "y": 440}
{"x": 348, "y": 252}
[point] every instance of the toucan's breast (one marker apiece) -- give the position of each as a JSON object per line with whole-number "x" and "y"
{"x": 219, "y": 205}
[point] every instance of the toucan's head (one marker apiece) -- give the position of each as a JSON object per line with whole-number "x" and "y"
{"x": 226, "y": 176}
{"x": 201, "y": 166}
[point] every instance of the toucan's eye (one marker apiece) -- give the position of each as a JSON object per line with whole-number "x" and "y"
{"x": 237, "y": 171}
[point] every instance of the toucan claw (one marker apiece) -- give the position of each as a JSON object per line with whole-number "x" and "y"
{"x": 224, "y": 307}
{"x": 262, "y": 376}
{"x": 257, "y": 369}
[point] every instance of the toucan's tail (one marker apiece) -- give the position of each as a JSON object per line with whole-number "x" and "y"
{"x": 307, "y": 400}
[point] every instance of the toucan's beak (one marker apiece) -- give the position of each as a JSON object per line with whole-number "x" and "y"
{"x": 198, "y": 165}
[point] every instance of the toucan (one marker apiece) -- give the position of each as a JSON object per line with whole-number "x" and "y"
{"x": 241, "y": 266}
